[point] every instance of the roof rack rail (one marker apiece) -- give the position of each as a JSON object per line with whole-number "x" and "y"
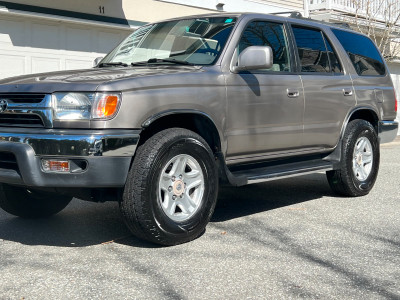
{"x": 342, "y": 24}
{"x": 298, "y": 15}
{"x": 292, "y": 14}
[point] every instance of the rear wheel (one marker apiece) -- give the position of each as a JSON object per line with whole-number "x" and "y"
{"x": 360, "y": 161}
{"x": 26, "y": 203}
{"x": 171, "y": 189}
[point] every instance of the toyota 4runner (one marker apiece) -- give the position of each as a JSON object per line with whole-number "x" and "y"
{"x": 183, "y": 105}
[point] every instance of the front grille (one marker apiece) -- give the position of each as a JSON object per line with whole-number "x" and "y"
{"x": 8, "y": 161}
{"x": 23, "y": 120}
{"x": 22, "y": 98}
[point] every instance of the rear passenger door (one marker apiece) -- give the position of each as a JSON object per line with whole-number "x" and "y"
{"x": 328, "y": 91}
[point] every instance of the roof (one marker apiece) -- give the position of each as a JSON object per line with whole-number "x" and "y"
{"x": 241, "y": 15}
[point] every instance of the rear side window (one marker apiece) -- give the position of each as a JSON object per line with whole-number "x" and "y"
{"x": 315, "y": 52}
{"x": 362, "y": 52}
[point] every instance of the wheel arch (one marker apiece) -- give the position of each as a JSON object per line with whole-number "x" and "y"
{"x": 196, "y": 121}
{"x": 363, "y": 113}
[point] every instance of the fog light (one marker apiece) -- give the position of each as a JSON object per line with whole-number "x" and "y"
{"x": 50, "y": 165}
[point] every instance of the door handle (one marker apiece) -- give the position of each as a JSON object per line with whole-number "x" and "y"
{"x": 292, "y": 93}
{"x": 348, "y": 92}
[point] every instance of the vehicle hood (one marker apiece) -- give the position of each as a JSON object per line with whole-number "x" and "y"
{"x": 88, "y": 80}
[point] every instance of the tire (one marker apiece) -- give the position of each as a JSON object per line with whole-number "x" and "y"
{"x": 32, "y": 204}
{"x": 155, "y": 204}
{"x": 359, "y": 164}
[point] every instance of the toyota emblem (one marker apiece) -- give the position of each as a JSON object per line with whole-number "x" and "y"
{"x": 3, "y": 105}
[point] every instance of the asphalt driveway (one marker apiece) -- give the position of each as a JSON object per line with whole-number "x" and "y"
{"x": 285, "y": 239}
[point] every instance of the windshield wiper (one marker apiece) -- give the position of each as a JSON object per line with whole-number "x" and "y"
{"x": 170, "y": 60}
{"x": 139, "y": 63}
{"x": 112, "y": 64}
{"x": 157, "y": 60}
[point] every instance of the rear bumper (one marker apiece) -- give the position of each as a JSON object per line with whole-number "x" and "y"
{"x": 105, "y": 156}
{"x": 387, "y": 131}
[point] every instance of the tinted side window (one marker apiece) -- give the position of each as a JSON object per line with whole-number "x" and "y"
{"x": 362, "y": 52}
{"x": 312, "y": 50}
{"x": 260, "y": 33}
{"x": 336, "y": 67}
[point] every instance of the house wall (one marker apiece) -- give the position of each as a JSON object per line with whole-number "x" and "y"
{"x": 137, "y": 10}
{"x": 262, "y": 6}
{"x": 395, "y": 73}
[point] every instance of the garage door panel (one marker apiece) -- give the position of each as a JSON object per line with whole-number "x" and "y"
{"x": 79, "y": 39}
{"x": 12, "y": 33}
{"x": 73, "y": 64}
{"x": 43, "y": 64}
{"x": 45, "y": 36}
{"x": 11, "y": 65}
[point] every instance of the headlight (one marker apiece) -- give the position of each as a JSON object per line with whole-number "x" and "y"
{"x": 85, "y": 106}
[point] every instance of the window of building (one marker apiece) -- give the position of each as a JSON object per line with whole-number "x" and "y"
{"x": 262, "y": 33}
{"x": 362, "y": 52}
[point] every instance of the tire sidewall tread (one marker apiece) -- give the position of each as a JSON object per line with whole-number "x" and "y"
{"x": 140, "y": 207}
{"x": 343, "y": 180}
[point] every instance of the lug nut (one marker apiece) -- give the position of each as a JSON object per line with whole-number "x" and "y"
{"x": 180, "y": 176}
{"x": 170, "y": 189}
{"x": 173, "y": 197}
{"x": 173, "y": 178}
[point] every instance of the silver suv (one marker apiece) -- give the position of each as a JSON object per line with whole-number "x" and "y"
{"x": 184, "y": 105}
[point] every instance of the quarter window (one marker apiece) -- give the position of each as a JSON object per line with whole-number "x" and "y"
{"x": 315, "y": 52}
{"x": 261, "y": 33}
{"x": 362, "y": 52}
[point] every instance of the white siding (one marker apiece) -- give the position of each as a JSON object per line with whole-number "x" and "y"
{"x": 261, "y": 6}
{"x": 294, "y": 4}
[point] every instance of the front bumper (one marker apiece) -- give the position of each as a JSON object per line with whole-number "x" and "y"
{"x": 104, "y": 154}
{"x": 388, "y": 131}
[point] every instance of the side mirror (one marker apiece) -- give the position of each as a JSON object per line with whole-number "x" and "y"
{"x": 254, "y": 58}
{"x": 97, "y": 60}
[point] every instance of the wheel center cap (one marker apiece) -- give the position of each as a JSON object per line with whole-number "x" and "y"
{"x": 178, "y": 187}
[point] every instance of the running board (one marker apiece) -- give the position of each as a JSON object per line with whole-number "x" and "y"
{"x": 274, "y": 172}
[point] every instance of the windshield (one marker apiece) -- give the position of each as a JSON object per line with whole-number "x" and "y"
{"x": 192, "y": 41}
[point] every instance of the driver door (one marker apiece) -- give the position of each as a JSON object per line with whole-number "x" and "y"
{"x": 265, "y": 107}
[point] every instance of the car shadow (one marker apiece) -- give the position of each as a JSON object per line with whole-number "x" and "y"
{"x": 236, "y": 202}
{"x": 85, "y": 224}
{"x": 80, "y": 224}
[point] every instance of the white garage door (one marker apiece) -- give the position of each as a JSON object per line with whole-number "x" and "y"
{"x": 31, "y": 45}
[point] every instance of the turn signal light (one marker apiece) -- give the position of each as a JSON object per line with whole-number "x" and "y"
{"x": 395, "y": 101}
{"x": 106, "y": 106}
{"x": 50, "y": 165}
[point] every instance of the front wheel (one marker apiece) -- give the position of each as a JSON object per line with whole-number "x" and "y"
{"x": 360, "y": 161}
{"x": 172, "y": 187}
